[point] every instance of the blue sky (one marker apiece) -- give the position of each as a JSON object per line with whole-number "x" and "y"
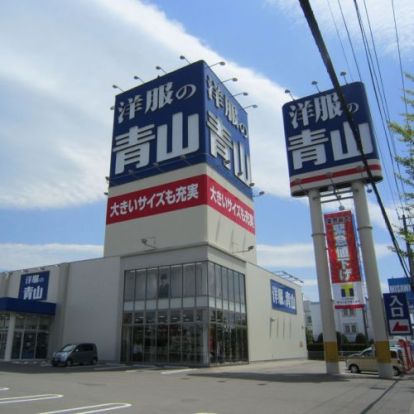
{"x": 60, "y": 59}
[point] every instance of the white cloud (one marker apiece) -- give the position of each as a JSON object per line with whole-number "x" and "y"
{"x": 380, "y": 17}
{"x": 286, "y": 256}
{"x": 382, "y": 251}
{"x": 377, "y": 217}
{"x": 19, "y": 256}
{"x": 301, "y": 255}
{"x": 57, "y": 126}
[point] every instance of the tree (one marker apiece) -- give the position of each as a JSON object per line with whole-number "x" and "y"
{"x": 360, "y": 338}
{"x": 309, "y": 336}
{"x": 341, "y": 339}
{"x": 405, "y": 134}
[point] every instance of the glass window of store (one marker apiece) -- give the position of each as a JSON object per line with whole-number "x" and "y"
{"x": 31, "y": 336}
{"x": 191, "y": 313}
{"x": 4, "y": 327}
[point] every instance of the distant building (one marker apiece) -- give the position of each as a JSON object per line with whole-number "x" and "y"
{"x": 349, "y": 322}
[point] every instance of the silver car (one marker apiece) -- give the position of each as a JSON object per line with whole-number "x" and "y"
{"x": 366, "y": 361}
{"x": 70, "y": 354}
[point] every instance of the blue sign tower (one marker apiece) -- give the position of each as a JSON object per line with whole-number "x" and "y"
{"x": 183, "y": 118}
{"x": 321, "y": 148}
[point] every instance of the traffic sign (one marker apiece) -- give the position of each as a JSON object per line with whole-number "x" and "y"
{"x": 398, "y": 316}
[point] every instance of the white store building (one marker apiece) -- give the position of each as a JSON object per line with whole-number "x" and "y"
{"x": 178, "y": 282}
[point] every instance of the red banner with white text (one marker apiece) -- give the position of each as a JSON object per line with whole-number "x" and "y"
{"x": 177, "y": 195}
{"x": 343, "y": 260}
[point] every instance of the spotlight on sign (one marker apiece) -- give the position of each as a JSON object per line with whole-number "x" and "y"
{"x": 287, "y": 91}
{"x": 221, "y": 63}
{"x": 117, "y": 87}
{"x": 138, "y": 78}
{"x": 230, "y": 79}
{"x": 161, "y": 69}
{"x": 315, "y": 84}
{"x": 240, "y": 93}
{"x": 182, "y": 57}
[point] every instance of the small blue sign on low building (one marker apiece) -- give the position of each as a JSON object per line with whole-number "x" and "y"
{"x": 283, "y": 297}
{"x": 398, "y": 315}
{"x": 34, "y": 286}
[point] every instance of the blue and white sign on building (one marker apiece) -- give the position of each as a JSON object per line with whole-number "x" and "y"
{"x": 402, "y": 285}
{"x": 321, "y": 148}
{"x": 182, "y": 118}
{"x": 398, "y": 316}
{"x": 283, "y": 297}
{"x": 34, "y": 286}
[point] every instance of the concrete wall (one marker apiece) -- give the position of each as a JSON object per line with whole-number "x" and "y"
{"x": 272, "y": 334}
{"x": 92, "y": 310}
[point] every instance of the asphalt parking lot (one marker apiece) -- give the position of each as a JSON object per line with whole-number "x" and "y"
{"x": 294, "y": 386}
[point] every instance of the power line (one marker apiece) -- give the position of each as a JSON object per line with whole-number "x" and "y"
{"x": 390, "y": 137}
{"x": 387, "y": 112}
{"x": 379, "y": 92}
{"x": 313, "y": 25}
{"x": 340, "y": 40}
{"x": 377, "y": 60}
{"x": 399, "y": 59}
{"x": 349, "y": 40}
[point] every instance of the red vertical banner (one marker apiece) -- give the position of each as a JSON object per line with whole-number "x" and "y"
{"x": 342, "y": 249}
{"x": 343, "y": 260}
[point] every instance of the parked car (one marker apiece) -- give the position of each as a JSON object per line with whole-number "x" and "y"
{"x": 70, "y": 354}
{"x": 366, "y": 361}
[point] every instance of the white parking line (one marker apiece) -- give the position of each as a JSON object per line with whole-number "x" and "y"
{"x": 100, "y": 408}
{"x": 177, "y": 371}
{"x": 26, "y": 398}
{"x": 4, "y": 388}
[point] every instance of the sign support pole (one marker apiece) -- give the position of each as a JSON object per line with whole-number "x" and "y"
{"x": 382, "y": 346}
{"x": 324, "y": 285}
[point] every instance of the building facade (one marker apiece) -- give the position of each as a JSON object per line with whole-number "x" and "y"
{"x": 179, "y": 282}
{"x": 214, "y": 311}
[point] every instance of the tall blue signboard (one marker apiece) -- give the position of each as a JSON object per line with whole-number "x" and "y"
{"x": 398, "y": 315}
{"x": 283, "y": 297}
{"x": 183, "y": 118}
{"x": 34, "y": 286}
{"x": 321, "y": 149}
